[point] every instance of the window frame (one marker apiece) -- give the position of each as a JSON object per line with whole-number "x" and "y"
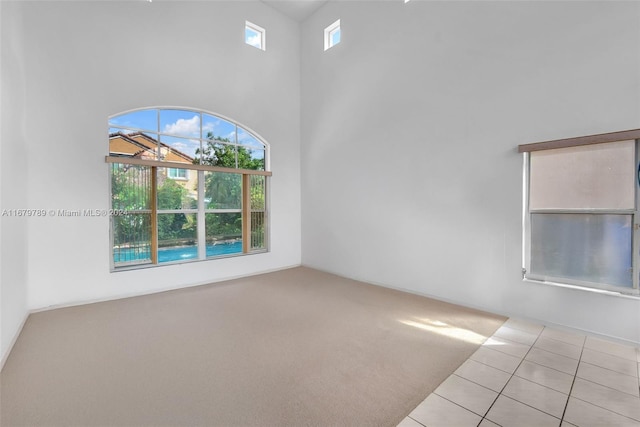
{"x": 170, "y": 172}
{"x": 526, "y": 150}
{"x": 328, "y": 35}
{"x": 256, "y": 143}
{"x": 256, "y": 29}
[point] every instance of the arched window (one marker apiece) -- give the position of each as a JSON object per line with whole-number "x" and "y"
{"x": 185, "y": 185}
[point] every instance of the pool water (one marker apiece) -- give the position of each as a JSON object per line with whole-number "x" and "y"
{"x": 179, "y": 253}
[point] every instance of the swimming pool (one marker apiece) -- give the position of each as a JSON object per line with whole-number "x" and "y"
{"x": 181, "y": 253}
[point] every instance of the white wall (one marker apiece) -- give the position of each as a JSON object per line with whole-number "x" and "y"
{"x": 410, "y": 174}
{"x": 85, "y": 61}
{"x": 13, "y": 169}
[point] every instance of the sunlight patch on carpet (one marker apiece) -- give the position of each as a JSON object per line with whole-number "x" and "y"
{"x": 442, "y": 328}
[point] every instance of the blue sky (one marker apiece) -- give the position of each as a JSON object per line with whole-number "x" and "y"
{"x": 185, "y": 128}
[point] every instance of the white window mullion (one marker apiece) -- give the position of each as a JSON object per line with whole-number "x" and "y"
{"x": 202, "y": 232}
{"x": 635, "y": 257}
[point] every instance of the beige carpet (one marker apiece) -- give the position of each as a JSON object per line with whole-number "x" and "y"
{"x": 297, "y": 347}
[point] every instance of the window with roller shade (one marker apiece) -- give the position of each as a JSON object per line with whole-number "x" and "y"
{"x": 580, "y": 211}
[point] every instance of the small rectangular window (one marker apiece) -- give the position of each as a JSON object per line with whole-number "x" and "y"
{"x": 332, "y": 35}
{"x": 177, "y": 173}
{"x": 255, "y": 35}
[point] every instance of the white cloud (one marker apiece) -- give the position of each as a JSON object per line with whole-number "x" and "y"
{"x": 184, "y": 127}
{"x": 208, "y": 127}
{"x": 179, "y": 146}
{"x": 255, "y": 41}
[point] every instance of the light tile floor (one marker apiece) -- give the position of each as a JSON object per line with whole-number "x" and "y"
{"x": 531, "y": 375}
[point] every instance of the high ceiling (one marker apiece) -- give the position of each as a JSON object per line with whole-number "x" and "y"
{"x": 298, "y": 10}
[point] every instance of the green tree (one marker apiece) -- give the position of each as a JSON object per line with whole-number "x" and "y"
{"x": 224, "y": 190}
{"x": 130, "y": 192}
{"x": 130, "y": 187}
{"x": 220, "y": 152}
{"x": 175, "y": 226}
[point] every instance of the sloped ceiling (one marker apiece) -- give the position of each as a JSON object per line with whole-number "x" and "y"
{"x": 298, "y": 10}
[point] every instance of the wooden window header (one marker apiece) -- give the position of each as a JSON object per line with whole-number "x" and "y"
{"x": 177, "y": 165}
{"x": 580, "y": 140}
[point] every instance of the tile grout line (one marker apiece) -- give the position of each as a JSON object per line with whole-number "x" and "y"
{"x": 498, "y": 369}
{"x": 607, "y": 354}
{"x": 607, "y": 387}
{"x": 575, "y": 374}
{"x": 532, "y": 407}
{"x": 416, "y": 421}
{"x": 580, "y": 360}
{"x": 566, "y": 405}
{"x": 607, "y": 409}
{"x": 613, "y": 370}
{"x": 608, "y": 369}
{"x": 457, "y": 404}
{"x": 484, "y": 417}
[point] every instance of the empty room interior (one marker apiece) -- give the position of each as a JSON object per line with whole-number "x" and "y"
{"x": 319, "y": 212}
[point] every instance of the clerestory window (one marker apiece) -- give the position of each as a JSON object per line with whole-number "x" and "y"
{"x": 186, "y": 185}
{"x": 255, "y": 36}
{"x": 332, "y": 35}
{"x": 581, "y": 212}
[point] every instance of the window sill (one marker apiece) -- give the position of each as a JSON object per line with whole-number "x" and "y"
{"x": 630, "y": 294}
{"x": 147, "y": 265}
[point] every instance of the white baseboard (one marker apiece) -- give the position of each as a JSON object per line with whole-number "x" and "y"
{"x": 13, "y": 341}
{"x": 157, "y": 291}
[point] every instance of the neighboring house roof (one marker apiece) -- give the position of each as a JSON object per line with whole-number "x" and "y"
{"x": 140, "y": 145}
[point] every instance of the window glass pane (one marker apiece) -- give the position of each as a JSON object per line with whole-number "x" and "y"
{"x": 177, "y": 173}
{"x": 219, "y": 129}
{"x": 245, "y": 138}
{"x": 335, "y": 37}
{"x": 143, "y": 119}
{"x": 180, "y": 123}
{"x": 258, "y": 240}
{"x": 177, "y": 236}
{"x": 126, "y": 143}
{"x": 586, "y": 247}
{"x": 258, "y": 194}
{"x": 256, "y": 160}
{"x": 131, "y": 238}
{"x": 177, "y": 253}
{"x": 251, "y": 153}
{"x": 176, "y": 193}
{"x": 224, "y": 233}
{"x": 179, "y": 150}
{"x": 222, "y": 190}
{"x": 122, "y": 131}
{"x": 217, "y": 154}
{"x": 254, "y": 36}
{"x": 599, "y": 176}
{"x": 130, "y": 187}
{"x": 258, "y": 185}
